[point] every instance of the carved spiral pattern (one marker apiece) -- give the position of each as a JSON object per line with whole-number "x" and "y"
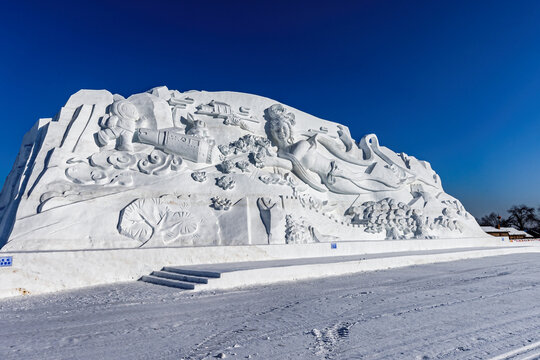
{"x": 121, "y": 160}
{"x": 159, "y": 162}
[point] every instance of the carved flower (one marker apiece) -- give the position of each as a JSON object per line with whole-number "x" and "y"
{"x": 227, "y": 166}
{"x": 224, "y": 149}
{"x": 182, "y": 222}
{"x": 262, "y": 142}
{"x": 199, "y": 176}
{"x": 220, "y": 203}
{"x": 241, "y": 145}
{"x": 257, "y": 158}
{"x": 272, "y": 178}
{"x": 225, "y": 182}
{"x": 243, "y": 165}
{"x": 165, "y": 218}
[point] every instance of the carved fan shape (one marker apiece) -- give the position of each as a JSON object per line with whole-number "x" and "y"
{"x": 177, "y": 224}
{"x": 186, "y": 222}
{"x": 166, "y": 218}
{"x": 138, "y": 220}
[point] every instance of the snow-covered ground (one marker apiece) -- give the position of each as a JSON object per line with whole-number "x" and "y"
{"x": 469, "y": 309}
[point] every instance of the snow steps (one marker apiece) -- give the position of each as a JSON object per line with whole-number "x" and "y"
{"x": 180, "y": 278}
{"x": 201, "y": 273}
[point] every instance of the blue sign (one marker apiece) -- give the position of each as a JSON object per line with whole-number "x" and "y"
{"x": 6, "y": 261}
{"x": 333, "y": 246}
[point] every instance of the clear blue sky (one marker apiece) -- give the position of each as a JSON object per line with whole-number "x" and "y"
{"x": 456, "y": 83}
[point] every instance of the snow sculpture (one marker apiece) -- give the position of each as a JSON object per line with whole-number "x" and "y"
{"x": 165, "y": 168}
{"x": 120, "y": 126}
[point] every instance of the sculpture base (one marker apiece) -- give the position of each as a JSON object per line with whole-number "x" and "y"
{"x": 49, "y": 271}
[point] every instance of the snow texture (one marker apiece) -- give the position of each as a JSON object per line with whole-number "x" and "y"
{"x": 469, "y": 309}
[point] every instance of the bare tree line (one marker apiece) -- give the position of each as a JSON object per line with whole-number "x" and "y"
{"x": 521, "y": 217}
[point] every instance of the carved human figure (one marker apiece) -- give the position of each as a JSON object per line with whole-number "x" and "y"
{"x": 119, "y": 127}
{"x": 304, "y": 159}
{"x": 272, "y": 217}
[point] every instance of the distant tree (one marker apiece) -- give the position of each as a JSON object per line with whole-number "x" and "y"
{"x": 522, "y": 217}
{"x": 505, "y": 222}
{"x": 489, "y": 220}
{"x": 537, "y": 225}
{"x": 535, "y": 230}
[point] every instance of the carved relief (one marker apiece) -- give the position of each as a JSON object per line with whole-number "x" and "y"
{"x": 399, "y": 220}
{"x": 297, "y": 231}
{"x": 255, "y": 149}
{"x": 176, "y": 99}
{"x": 323, "y": 173}
{"x": 273, "y": 179}
{"x": 243, "y": 165}
{"x": 314, "y": 204}
{"x": 218, "y": 109}
{"x": 189, "y": 147}
{"x": 117, "y": 167}
{"x": 61, "y": 193}
{"x": 166, "y": 220}
{"x": 150, "y": 139}
{"x": 198, "y": 128}
{"x": 272, "y": 218}
{"x": 282, "y": 179}
{"x": 119, "y": 126}
{"x": 454, "y": 208}
{"x": 158, "y": 163}
{"x": 227, "y": 166}
{"x": 199, "y": 176}
{"x": 225, "y": 182}
{"x": 220, "y": 203}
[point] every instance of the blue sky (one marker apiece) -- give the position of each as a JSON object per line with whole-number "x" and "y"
{"x": 456, "y": 83}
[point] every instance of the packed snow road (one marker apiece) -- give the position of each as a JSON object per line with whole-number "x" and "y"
{"x": 470, "y": 309}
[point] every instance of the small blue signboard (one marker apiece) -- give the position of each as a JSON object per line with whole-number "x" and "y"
{"x": 6, "y": 261}
{"x": 333, "y": 246}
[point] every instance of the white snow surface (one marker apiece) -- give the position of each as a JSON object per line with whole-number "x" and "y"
{"x": 469, "y": 309}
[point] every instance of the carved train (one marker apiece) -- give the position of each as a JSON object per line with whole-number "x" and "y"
{"x": 165, "y": 168}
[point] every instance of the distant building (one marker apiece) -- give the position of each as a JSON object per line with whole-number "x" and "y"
{"x": 508, "y": 232}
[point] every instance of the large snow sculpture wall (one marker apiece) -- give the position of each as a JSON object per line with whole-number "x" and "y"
{"x": 165, "y": 168}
